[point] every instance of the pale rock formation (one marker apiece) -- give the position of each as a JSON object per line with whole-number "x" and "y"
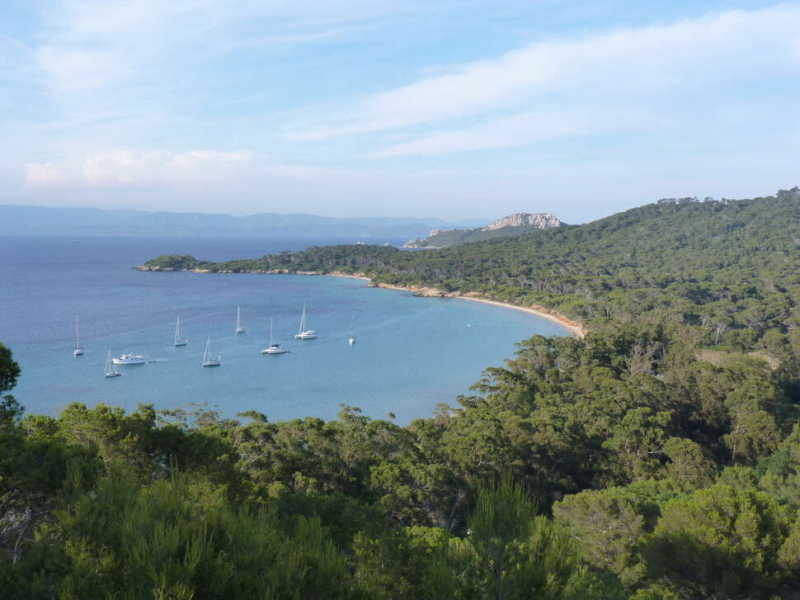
{"x": 539, "y": 220}
{"x": 438, "y": 231}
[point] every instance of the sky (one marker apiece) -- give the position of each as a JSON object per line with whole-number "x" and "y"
{"x": 454, "y": 109}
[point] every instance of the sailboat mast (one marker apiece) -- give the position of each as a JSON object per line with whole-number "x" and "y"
{"x": 77, "y": 342}
{"x": 270, "y": 333}
{"x": 178, "y": 329}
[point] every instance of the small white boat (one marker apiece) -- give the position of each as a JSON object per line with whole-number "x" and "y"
{"x": 78, "y": 350}
{"x": 305, "y": 333}
{"x": 179, "y": 340}
{"x": 208, "y": 361}
{"x": 129, "y": 359}
{"x": 273, "y": 348}
{"x": 239, "y": 326}
{"x": 352, "y": 340}
{"x": 109, "y": 370}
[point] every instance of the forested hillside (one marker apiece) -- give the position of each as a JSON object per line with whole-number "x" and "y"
{"x": 658, "y": 457}
{"x": 729, "y": 268}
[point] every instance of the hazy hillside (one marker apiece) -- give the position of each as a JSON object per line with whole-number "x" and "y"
{"x": 34, "y": 220}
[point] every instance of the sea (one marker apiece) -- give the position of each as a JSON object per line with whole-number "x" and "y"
{"x": 411, "y": 354}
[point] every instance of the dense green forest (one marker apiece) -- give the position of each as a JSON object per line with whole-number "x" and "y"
{"x": 658, "y": 457}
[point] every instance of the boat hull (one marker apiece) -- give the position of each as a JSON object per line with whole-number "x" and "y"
{"x": 128, "y": 361}
{"x": 274, "y": 351}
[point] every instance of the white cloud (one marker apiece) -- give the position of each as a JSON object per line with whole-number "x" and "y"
{"x": 631, "y": 67}
{"x": 129, "y": 168}
{"x": 50, "y": 175}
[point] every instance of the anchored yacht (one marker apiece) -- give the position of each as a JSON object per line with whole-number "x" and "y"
{"x": 208, "y": 361}
{"x": 109, "y": 370}
{"x": 179, "y": 339}
{"x": 78, "y": 350}
{"x": 273, "y": 348}
{"x": 129, "y": 359}
{"x": 305, "y": 333}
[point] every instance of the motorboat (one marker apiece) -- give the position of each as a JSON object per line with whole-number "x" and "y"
{"x": 129, "y": 359}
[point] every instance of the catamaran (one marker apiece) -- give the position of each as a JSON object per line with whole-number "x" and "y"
{"x": 305, "y": 333}
{"x": 239, "y": 326}
{"x": 352, "y": 339}
{"x": 110, "y": 371}
{"x": 273, "y": 348}
{"x": 129, "y": 359}
{"x": 179, "y": 341}
{"x": 78, "y": 350}
{"x": 207, "y": 360}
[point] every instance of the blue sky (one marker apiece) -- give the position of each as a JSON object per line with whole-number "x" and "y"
{"x": 445, "y": 108}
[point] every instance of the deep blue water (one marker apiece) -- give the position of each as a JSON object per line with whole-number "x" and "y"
{"x": 412, "y": 353}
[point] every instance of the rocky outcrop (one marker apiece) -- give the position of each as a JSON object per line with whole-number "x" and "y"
{"x": 438, "y": 231}
{"x": 538, "y": 220}
{"x": 515, "y": 224}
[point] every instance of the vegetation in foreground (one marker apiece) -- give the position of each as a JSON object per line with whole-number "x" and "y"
{"x": 659, "y": 457}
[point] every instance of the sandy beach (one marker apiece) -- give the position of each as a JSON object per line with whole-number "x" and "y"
{"x": 574, "y": 328}
{"x": 571, "y": 326}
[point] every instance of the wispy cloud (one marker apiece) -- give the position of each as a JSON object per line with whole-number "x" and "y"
{"x": 526, "y": 128}
{"x": 151, "y": 57}
{"x": 589, "y": 77}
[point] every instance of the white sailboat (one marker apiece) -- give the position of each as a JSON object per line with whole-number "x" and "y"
{"x": 78, "y": 350}
{"x": 179, "y": 341}
{"x": 273, "y": 348}
{"x": 239, "y": 326}
{"x": 109, "y": 370}
{"x": 207, "y": 360}
{"x": 352, "y": 340}
{"x": 305, "y": 333}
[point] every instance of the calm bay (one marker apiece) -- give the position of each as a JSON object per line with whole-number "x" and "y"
{"x": 411, "y": 353}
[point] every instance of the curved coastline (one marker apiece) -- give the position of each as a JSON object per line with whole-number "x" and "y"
{"x": 542, "y": 312}
{"x": 573, "y": 327}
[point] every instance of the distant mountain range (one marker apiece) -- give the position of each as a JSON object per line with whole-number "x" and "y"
{"x": 37, "y": 220}
{"x": 512, "y": 225}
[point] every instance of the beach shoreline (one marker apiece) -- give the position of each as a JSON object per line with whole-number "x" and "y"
{"x": 542, "y": 312}
{"x": 574, "y": 328}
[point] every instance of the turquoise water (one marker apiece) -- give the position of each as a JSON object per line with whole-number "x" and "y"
{"x": 411, "y": 353}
